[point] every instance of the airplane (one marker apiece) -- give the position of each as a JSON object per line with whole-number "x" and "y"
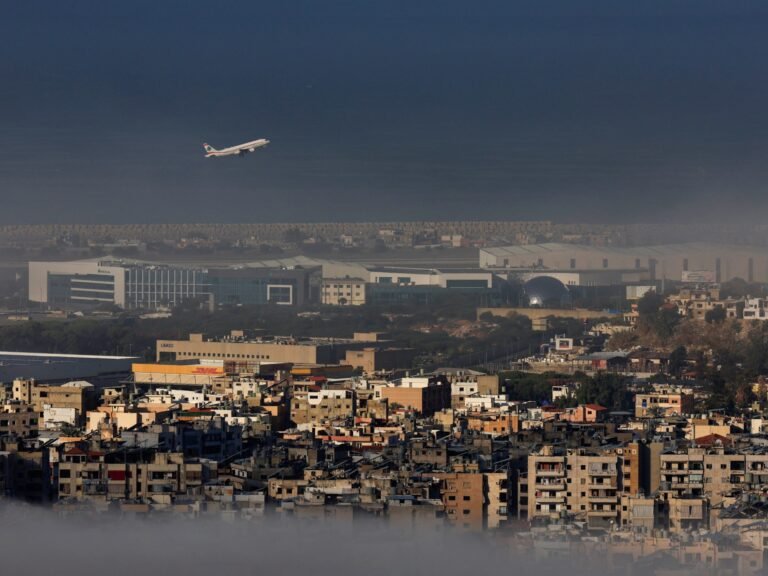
{"x": 239, "y": 150}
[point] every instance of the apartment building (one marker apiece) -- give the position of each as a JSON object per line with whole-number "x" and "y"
{"x": 497, "y": 499}
{"x": 582, "y": 484}
{"x": 699, "y": 473}
{"x": 493, "y": 423}
{"x": 630, "y": 460}
{"x": 687, "y": 514}
{"x": 474, "y": 500}
{"x": 315, "y": 406}
{"x": 460, "y": 391}
{"x": 202, "y": 435}
{"x": 424, "y": 395}
{"x": 84, "y": 474}
{"x": 638, "y": 513}
{"x": 25, "y": 473}
{"x": 423, "y": 452}
{"x": 662, "y": 404}
{"x": 78, "y": 397}
{"x": 19, "y": 420}
{"x": 756, "y": 309}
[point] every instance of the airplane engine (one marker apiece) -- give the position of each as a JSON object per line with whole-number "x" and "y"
{"x": 251, "y": 149}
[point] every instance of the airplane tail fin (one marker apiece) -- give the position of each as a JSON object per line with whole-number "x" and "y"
{"x": 209, "y": 148}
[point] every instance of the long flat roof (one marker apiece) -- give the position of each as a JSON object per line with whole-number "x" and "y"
{"x": 650, "y": 250}
{"x": 45, "y": 355}
{"x": 276, "y": 340}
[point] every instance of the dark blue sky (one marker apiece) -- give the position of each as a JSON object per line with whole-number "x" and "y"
{"x": 563, "y": 110}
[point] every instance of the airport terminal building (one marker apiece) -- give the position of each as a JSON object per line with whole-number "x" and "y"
{"x": 144, "y": 286}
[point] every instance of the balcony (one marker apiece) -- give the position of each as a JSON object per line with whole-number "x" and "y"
{"x": 550, "y": 499}
{"x": 549, "y": 486}
{"x": 602, "y": 513}
{"x": 550, "y": 473}
{"x": 603, "y": 499}
{"x": 687, "y": 485}
{"x": 602, "y": 473}
{"x": 757, "y": 478}
{"x": 607, "y": 487}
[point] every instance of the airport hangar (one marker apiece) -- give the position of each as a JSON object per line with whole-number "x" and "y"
{"x": 632, "y": 264}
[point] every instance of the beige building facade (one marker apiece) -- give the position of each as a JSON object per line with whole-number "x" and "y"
{"x": 343, "y": 291}
{"x": 239, "y": 349}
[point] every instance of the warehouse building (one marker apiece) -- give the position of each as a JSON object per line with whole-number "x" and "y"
{"x": 663, "y": 262}
{"x": 238, "y": 347}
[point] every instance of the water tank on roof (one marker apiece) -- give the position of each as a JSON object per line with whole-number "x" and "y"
{"x": 546, "y": 292}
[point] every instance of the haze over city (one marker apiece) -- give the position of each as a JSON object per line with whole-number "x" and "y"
{"x": 597, "y": 111}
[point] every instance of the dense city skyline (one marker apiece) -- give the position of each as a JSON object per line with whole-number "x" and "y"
{"x": 519, "y": 110}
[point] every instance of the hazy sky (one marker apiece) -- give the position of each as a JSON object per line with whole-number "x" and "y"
{"x": 383, "y": 110}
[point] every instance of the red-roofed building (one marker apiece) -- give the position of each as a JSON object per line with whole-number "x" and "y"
{"x": 713, "y": 440}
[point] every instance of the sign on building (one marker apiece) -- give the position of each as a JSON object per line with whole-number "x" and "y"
{"x": 699, "y": 276}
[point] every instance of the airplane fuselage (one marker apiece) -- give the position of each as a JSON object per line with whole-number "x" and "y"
{"x": 238, "y": 150}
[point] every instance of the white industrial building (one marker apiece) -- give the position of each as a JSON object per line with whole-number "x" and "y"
{"x": 447, "y": 278}
{"x": 82, "y": 280}
{"x": 583, "y": 277}
{"x": 663, "y": 262}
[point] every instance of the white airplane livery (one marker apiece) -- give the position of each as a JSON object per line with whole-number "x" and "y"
{"x": 239, "y": 150}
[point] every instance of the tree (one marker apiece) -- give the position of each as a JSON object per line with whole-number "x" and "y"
{"x": 756, "y": 352}
{"x": 700, "y": 363}
{"x": 608, "y": 390}
{"x": 623, "y": 340}
{"x": 715, "y": 316}
{"x": 677, "y": 361}
{"x": 734, "y": 288}
{"x": 649, "y": 304}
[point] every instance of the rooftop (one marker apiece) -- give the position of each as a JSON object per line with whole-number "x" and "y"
{"x": 31, "y": 356}
{"x": 647, "y": 251}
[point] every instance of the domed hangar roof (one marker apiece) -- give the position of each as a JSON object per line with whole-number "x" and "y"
{"x": 546, "y": 292}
